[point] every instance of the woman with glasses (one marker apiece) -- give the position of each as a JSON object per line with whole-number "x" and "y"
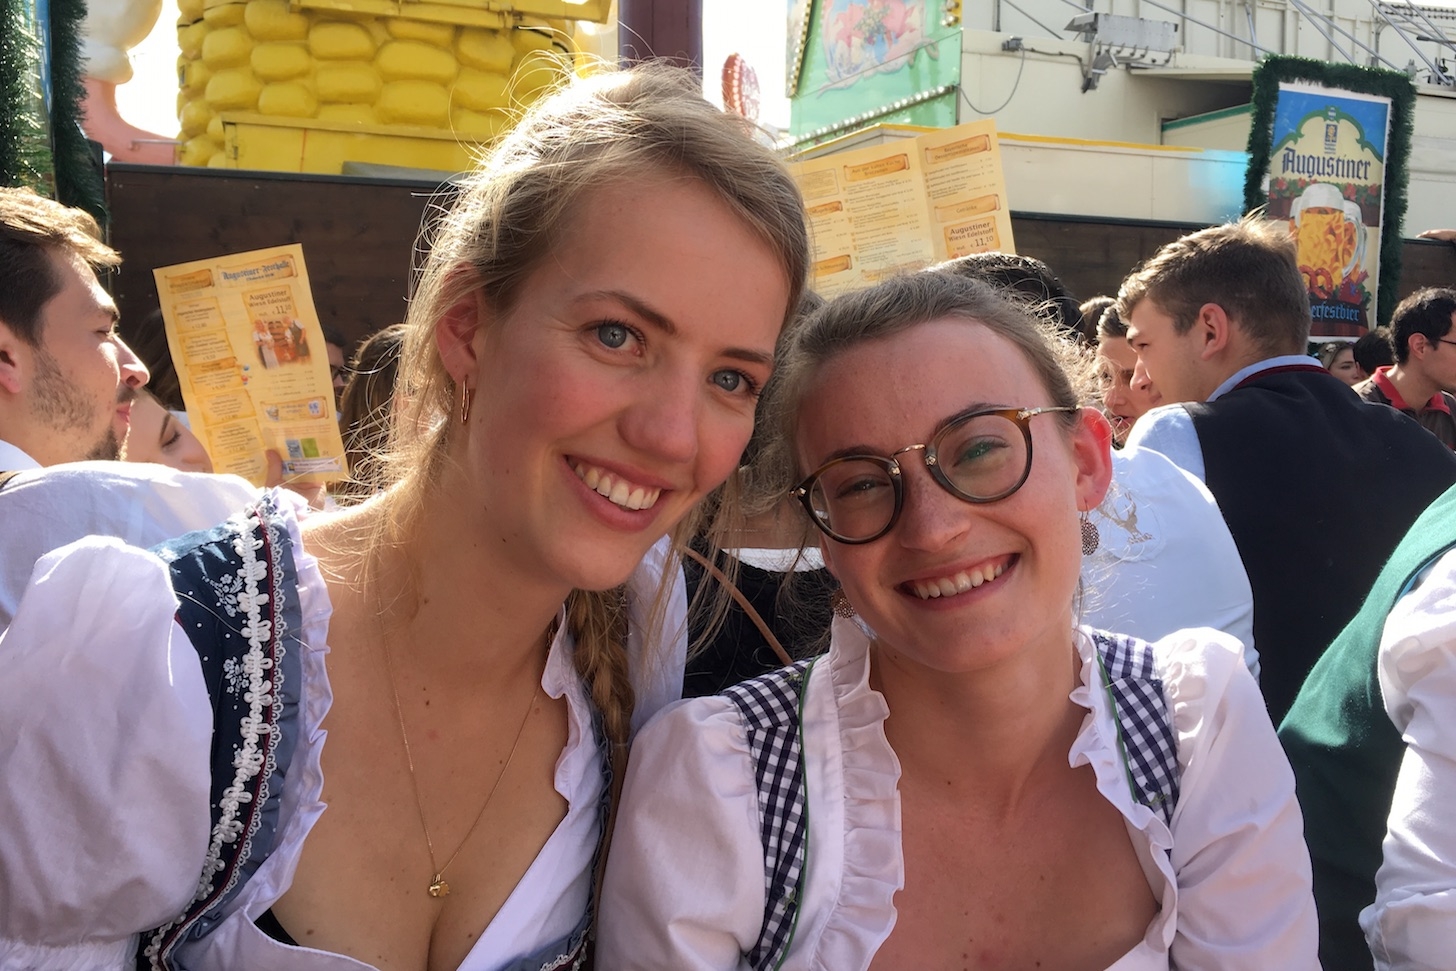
{"x": 966, "y": 778}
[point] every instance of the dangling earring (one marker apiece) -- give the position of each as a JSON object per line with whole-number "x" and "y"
{"x": 1090, "y": 536}
{"x": 464, "y": 403}
{"x": 840, "y": 604}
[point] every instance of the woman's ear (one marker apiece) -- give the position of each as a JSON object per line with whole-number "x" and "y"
{"x": 1092, "y": 451}
{"x": 457, "y": 332}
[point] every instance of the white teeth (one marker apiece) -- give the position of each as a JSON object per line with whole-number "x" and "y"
{"x": 960, "y": 582}
{"x": 617, "y": 490}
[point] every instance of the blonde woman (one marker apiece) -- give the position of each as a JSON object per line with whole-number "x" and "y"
{"x": 410, "y": 752}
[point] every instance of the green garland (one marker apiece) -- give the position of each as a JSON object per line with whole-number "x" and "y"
{"x": 51, "y": 155}
{"x": 80, "y": 180}
{"x": 1394, "y": 85}
{"x": 25, "y": 157}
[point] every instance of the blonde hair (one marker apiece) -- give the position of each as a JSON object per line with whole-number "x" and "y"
{"x": 608, "y": 129}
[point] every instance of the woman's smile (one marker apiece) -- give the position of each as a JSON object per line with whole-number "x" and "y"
{"x": 952, "y": 584}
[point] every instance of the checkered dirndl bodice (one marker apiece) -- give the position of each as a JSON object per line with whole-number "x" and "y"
{"x": 772, "y": 709}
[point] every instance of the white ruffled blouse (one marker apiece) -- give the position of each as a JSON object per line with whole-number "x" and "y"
{"x": 685, "y": 880}
{"x": 105, "y": 730}
{"x": 1412, "y": 923}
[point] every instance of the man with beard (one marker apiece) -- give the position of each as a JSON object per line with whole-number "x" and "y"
{"x": 66, "y": 378}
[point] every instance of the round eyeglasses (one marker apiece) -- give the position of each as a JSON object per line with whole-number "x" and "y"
{"x": 980, "y": 456}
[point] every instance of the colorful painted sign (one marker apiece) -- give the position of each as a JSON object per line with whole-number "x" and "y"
{"x": 872, "y": 60}
{"x": 1327, "y": 179}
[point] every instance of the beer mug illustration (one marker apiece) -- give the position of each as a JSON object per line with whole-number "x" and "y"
{"x": 1330, "y": 236}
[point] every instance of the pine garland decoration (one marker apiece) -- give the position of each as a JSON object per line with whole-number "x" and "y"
{"x": 80, "y": 180}
{"x": 25, "y": 157}
{"x": 1394, "y": 85}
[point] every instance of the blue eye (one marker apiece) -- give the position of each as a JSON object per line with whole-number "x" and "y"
{"x": 734, "y": 382}
{"x": 731, "y": 382}
{"x": 613, "y": 335}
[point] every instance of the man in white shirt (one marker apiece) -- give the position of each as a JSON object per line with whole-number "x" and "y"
{"x": 1220, "y": 321}
{"x": 66, "y": 378}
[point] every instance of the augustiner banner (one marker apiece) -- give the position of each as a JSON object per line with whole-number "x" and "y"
{"x": 1327, "y": 179}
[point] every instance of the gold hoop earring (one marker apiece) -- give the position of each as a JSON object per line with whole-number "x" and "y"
{"x": 464, "y": 403}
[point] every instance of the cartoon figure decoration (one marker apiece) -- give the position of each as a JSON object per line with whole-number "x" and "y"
{"x": 866, "y": 37}
{"x": 110, "y": 30}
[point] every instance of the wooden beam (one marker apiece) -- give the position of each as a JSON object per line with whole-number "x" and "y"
{"x": 667, "y": 29}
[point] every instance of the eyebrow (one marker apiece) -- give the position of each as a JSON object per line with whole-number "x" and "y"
{"x": 663, "y": 323}
{"x": 862, "y": 449}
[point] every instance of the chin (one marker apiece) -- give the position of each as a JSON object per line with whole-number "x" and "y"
{"x": 108, "y": 449}
{"x": 605, "y": 572}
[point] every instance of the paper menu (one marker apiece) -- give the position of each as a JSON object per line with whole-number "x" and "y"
{"x": 249, "y": 353}
{"x": 905, "y": 204}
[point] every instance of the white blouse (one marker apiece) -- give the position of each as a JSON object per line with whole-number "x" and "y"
{"x": 685, "y": 880}
{"x": 105, "y": 729}
{"x": 1412, "y": 924}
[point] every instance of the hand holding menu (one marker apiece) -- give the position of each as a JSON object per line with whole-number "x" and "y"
{"x": 249, "y": 353}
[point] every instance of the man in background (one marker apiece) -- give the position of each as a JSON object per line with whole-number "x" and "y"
{"x": 1419, "y": 381}
{"x": 1220, "y": 322}
{"x": 66, "y": 378}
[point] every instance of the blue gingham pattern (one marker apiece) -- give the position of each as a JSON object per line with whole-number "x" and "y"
{"x": 1149, "y": 745}
{"x": 769, "y": 705}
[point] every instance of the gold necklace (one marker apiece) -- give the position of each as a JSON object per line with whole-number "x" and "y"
{"x": 438, "y": 887}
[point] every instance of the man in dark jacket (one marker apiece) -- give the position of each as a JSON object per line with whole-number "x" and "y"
{"x": 1220, "y": 321}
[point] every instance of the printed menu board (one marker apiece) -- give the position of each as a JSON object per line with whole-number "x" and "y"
{"x": 249, "y": 353}
{"x": 905, "y": 205}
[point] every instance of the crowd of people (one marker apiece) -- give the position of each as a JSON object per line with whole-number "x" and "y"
{"x": 1012, "y": 632}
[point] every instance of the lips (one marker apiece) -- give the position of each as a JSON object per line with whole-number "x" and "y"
{"x": 959, "y": 582}
{"x": 615, "y": 488}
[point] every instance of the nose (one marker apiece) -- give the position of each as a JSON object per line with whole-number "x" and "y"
{"x": 930, "y": 517}
{"x": 1140, "y": 377}
{"x": 1115, "y": 395}
{"x": 662, "y": 420}
{"x": 134, "y": 373}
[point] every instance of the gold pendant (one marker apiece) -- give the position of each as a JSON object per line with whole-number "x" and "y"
{"x": 438, "y": 887}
